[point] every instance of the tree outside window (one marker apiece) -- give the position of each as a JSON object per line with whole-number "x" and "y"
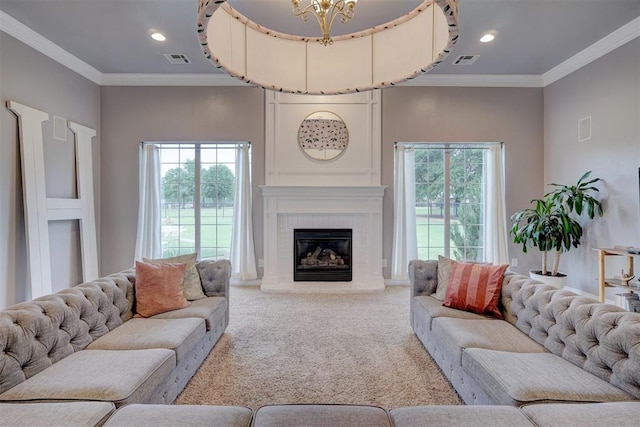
{"x": 203, "y": 225}
{"x": 449, "y": 201}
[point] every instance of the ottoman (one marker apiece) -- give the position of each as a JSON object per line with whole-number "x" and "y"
{"x": 180, "y": 415}
{"x": 321, "y": 416}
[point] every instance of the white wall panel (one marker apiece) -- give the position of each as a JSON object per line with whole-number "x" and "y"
{"x": 440, "y": 32}
{"x": 378, "y": 57}
{"x": 280, "y": 62}
{"x": 339, "y": 66}
{"x": 219, "y": 28}
{"x": 394, "y": 56}
{"x": 286, "y": 164}
{"x": 228, "y": 41}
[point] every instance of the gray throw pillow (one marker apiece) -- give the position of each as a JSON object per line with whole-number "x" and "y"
{"x": 444, "y": 269}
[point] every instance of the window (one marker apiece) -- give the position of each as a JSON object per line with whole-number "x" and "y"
{"x": 197, "y": 198}
{"x": 450, "y": 198}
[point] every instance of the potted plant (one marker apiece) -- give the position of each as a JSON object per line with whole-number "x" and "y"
{"x": 552, "y": 223}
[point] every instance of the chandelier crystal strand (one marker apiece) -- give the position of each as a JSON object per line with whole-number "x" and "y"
{"x": 325, "y": 12}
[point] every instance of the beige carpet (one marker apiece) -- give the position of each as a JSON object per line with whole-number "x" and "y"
{"x": 349, "y": 349}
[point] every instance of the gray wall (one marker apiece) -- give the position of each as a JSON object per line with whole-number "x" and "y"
{"x": 446, "y": 114}
{"x": 33, "y": 79}
{"x": 538, "y": 127}
{"x": 608, "y": 90}
{"x": 134, "y": 114}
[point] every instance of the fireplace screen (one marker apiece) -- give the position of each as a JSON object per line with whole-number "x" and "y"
{"x": 322, "y": 255}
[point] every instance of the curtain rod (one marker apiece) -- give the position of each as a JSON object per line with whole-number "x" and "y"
{"x": 195, "y": 142}
{"x": 458, "y": 145}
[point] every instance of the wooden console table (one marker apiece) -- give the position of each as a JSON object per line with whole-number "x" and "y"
{"x": 603, "y": 281}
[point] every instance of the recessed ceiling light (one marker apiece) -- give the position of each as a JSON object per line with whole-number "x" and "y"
{"x": 158, "y": 37}
{"x": 487, "y": 38}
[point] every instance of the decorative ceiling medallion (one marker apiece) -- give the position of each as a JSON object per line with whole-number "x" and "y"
{"x": 379, "y": 57}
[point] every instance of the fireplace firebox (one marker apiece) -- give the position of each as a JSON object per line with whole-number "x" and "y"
{"x": 322, "y": 255}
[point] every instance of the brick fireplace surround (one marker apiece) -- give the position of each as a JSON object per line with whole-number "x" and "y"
{"x": 304, "y": 192}
{"x": 289, "y": 207}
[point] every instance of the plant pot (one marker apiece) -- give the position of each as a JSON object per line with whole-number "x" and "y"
{"x": 555, "y": 281}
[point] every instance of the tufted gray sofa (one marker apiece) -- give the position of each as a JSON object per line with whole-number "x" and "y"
{"x": 61, "y": 351}
{"x": 83, "y": 344}
{"x": 619, "y": 414}
{"x": 552, "y": 346}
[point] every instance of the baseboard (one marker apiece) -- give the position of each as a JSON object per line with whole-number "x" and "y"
{"x": 587, "y": 294}
{"x": 238, "y": 282}
{"x": 395, "y": 282}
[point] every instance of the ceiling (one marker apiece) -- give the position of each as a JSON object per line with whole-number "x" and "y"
{"x": 112, "y": 36}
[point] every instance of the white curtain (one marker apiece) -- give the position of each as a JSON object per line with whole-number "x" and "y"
{"x": 405, "y": 246}
{"x": 495, "y": 234}
{"x": 243, "y": 259}
{"x": 149, "y": 235}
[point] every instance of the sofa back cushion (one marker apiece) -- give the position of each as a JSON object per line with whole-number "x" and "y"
{"x": 423, "y": 277}
{"x": 38, "y": 333}
{"x": 215, "y": 276}
{"x": 120, "y": 298}
{"x": 600, "y": 338}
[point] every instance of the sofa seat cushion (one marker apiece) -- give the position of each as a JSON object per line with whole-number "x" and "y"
{"x": 179, "y": 335}
{"x": 517, "y": 378}
{"x": 321, "y": 416}
{"x": 116, "y": 376}
{"x": 68, "y": 414}
{"x": 456, "y": 335}
{"x": 208, "y": 309}
{"x": 180, "y": 415}
{"x": 433, "y": 308}
{"x": 619, "y": 414}
{"x": 468, "y": 416}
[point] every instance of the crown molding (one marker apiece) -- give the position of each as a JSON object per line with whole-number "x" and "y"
{"x": 158, "y": 79}
{"x": 476, "y": 80}
{"x": 16, "y": 29}
{"x": 220, "y": 79}
{"x": 622, "y": 35}
{"x": 26, "y": 35}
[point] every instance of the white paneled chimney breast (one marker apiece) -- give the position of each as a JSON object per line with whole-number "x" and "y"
{"x": 302, "y": 192}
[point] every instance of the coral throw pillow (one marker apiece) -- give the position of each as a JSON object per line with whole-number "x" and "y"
{"x": 475, "y": 287}
{"x": 192, "y": 285}
{"x": 158, "y": 288}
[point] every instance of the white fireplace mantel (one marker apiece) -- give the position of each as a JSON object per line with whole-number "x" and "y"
{"x": 356, "y": 207}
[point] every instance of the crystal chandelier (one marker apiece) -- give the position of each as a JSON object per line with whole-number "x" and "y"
{"x": 325, "y": 12}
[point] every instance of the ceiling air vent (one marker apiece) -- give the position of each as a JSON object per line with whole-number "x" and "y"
{"x": 177, "y": 58}
{"x": 465, "y": 59}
